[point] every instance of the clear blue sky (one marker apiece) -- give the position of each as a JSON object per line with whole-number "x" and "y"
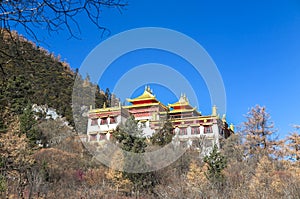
{"x": 255, "y": 45}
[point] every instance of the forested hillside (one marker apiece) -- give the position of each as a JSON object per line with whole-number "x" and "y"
{"x": 45, "y": 158}
{"x": 31, "y": 74}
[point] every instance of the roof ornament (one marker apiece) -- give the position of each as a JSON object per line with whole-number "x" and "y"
{"x": 224, "y": 118}
{"x": 214, "y": 110}
{"x": 231, "y": 127}
{"x": 185, "y": 98}
{"x": 147, "y": 88}
{"x": 181, "y": 99}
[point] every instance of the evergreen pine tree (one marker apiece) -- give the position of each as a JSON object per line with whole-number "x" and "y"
{"x": 164, "y": 135}
{"x": 99, "y": 98}
{"x": 28, "y": 126}
{"x": 216, "y": 163}
{"x": 130, "y": 138}
{"x": 17, "y": 93}
{"x": 108, "y": 97}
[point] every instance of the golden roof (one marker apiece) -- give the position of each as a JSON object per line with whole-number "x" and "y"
{"x": 145, "y": 105}
{"x": 184, "y": 106}
{"x": 183, "y": 101}
{"x": 147, "y": 95}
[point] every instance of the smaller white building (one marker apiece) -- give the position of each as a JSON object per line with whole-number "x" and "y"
{"x": 101, "y": 122}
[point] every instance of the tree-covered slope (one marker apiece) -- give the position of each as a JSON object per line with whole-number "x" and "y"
{"x": 30, "y": 74}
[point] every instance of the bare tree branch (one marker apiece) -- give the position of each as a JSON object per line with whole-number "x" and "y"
{"x": 55, "y": 15}
{"x": 51, "y": 15}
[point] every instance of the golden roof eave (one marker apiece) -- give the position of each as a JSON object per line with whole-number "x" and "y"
{"x": 179, "y": 104}
{"x": 147, "y": 95}
{"x": 140, "y": 105}
{"x": 182, "y": 110}
{"x": 146, "y": 104}
{"x": 140, "y": 99}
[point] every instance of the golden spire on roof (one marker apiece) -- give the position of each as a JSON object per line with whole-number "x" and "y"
{"x": 183, "y": 101}
{"x": 231, "y": 127}
{"x": 214, "y": 110}
{"x": 147, "y": 88}
{"x": 147, "y": 95}
{"x": 224, "y": 118}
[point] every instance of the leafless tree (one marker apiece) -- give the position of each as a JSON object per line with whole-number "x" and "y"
{"x": 50, "y": 15}
{"x": 54, "y": 15}
{"x": 292, "y": 147}
{"x": 259, "y": 132}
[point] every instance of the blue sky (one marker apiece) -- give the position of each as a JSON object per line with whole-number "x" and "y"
{"x": 255, "y": 45}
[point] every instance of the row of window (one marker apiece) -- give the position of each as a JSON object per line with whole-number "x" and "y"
{"x": 94, "y": 137}
{"x": 108, "y": 120}
{"x": 195, "y": 130}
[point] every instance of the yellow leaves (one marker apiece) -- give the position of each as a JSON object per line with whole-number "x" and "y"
{"x": 95, "y": 176}
{"x": 115, "y": 176}
{"x": 196, "y": 175}
{"x": 15, "y": 154}
{"x": 56, "y": 158}
{"x": 267, "y": 179}
{"x": 235, "y": 174}
{"x": 294, "y": 170}
{"x": 292, "y": 148}
{"x": 15, "y": 146}
{"x": 193, "y": 174}
{"x": 118, "y": 180}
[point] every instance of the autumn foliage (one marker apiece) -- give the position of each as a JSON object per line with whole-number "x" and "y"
{"x": 42, "y": 158}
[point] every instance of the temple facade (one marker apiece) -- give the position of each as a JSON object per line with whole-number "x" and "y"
{"x": 189, "y": 125}
{"x": 101, "y": 122}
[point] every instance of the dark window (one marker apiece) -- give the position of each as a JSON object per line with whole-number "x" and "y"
{"x": 93, "y": 137}
{"x": 94, "y": 122}
{"x": 103, "y": 121}
{"x": 183, "y": 131}
{"x": 207, "y": 129}
{"x": 101, "y": 136}
{"x": 112, "y": 120}
{"x": 196, "y": 130}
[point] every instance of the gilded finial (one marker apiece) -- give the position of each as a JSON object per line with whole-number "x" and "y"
{"x": 214, "y": 110}
{"x": 104, "y": 105}
{"x": 231, "y": 127}
{"x": 148, "y": 89}
{"x": 186, "y": 99}
{"x": 224, "y": 118}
